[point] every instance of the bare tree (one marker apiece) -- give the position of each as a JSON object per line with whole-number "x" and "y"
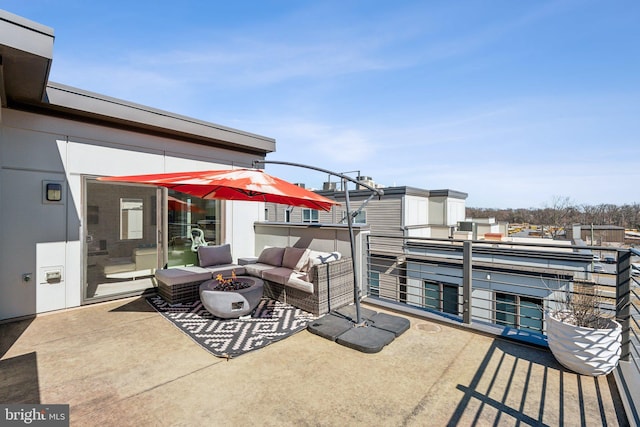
{"x": 561, "y": 212}
{"x": 557, "y": 214}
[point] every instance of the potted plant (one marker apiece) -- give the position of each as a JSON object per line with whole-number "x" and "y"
{"x": 582, "y": 337}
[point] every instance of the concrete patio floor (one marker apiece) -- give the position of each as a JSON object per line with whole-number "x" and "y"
{"x": 120, "y": 363}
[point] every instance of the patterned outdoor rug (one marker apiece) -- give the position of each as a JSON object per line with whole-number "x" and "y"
{"x": 270, "y": 322}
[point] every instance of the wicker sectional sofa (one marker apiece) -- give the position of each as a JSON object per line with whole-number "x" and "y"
{"x": 316, "y": 282}
{"x": 313, "y": 281}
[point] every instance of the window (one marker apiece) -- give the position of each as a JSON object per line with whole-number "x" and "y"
{"x": 518, "y": 311}
{"x": 441, "y": 297}
{"x": 360, "y": 218}
{"x": 506, "y": 309}
{"x": 310, "y": 215}
{"x": 185, "y": 214}
{"x": 531, "y": 314}
{"x": 287, "y": 214}
{"x": 374, "y": 283}
{"x": 131, "y": 219}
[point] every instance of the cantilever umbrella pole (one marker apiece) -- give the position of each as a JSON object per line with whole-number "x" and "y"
{"x": 356, "y": 287}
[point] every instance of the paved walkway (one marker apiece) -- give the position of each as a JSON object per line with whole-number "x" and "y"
{"x": 122, "y": 364}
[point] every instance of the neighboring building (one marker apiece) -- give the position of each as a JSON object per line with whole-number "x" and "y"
{"x": 481, "y": 228}
{"x": 597, "y": 234}
{"x": 415, "y": 255}
{"x": 402, "y": 211}
{"x": 512, "y": 283}
{"x": 509, "y": 281}
{"x": 68, "y": 239}
{"x": 513, "y": 279}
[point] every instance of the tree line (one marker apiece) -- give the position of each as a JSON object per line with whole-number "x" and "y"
{"x": 561, "y": 212}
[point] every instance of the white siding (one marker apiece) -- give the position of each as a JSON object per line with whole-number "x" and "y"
{"x": 455, "y": 211}
{"x": 416, "y": 211}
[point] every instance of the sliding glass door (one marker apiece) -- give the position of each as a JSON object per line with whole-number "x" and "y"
{"x": 191, "y": 222}
{"x": 121, "y": 238}
{"x": 131, "y": 230}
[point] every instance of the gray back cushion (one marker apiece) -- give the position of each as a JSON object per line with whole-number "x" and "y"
{"x": 295, "y": 258}
{"x": 214, "y": 255}
{"x": 271, "y": 256}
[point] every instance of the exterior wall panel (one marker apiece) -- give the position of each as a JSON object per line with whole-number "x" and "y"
{"x": 456, "y": 211}
{"x": 385, "y": 216}
{"x": 34, "y": 148}
{"x": 437, "y": 210}
{"x": 417, "y": 211}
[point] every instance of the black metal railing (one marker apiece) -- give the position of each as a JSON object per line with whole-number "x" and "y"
{"x": 506, "y": 287}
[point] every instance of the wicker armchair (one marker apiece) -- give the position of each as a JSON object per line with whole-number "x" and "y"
{"x": 332, "y": 288}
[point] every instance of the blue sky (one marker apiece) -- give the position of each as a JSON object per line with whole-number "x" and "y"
{"x": 512, "y": 102}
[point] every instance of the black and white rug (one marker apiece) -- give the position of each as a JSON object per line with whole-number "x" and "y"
{"x": 270, "y": 322}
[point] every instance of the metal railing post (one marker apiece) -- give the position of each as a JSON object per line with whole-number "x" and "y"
{"x": 467, "y": 272}
{"x": 623, "y": 300}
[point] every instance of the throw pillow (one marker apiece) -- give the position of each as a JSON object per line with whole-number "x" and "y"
{"x": 214, "y": 255}
{"x": 271, "y": 256}
{"x": 324, "y": 257}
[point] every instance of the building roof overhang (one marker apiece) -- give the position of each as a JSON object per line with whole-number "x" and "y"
{"x": 26, "y": 53}
{"x": 394, "y": 191}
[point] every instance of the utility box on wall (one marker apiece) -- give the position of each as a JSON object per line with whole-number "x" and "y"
{"x": 50, "y": 281}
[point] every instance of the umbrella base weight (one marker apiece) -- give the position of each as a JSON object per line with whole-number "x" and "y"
{"x": 367, "y": 339}
{"x": 330, "y": 326}
{"x": 376, "y": 331}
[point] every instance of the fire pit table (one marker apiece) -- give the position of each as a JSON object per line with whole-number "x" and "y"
{"x": 228, "y": 304}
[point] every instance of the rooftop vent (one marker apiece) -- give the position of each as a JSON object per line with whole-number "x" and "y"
{"x": 329, "y": 186}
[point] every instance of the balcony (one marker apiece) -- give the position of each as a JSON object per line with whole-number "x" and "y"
{"x": 464, "y": 361}
{"x": 121, "y": 363}
{"x": 503, "y": 288}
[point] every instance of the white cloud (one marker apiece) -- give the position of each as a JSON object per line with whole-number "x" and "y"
{"x": 324, "y": 143}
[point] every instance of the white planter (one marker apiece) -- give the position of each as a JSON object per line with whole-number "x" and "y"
{"x": 587, "y": 351}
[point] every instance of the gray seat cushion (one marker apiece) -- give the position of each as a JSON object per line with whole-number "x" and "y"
{"x": 180, "y": 275}
{"x": 257, "y": 269}
{"x": 277, "y": 275}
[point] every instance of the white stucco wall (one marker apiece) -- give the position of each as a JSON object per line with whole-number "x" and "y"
{"x": 37, "y": 237}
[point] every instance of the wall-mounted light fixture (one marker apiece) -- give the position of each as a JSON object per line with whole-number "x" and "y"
{"x": 52, "y": 191}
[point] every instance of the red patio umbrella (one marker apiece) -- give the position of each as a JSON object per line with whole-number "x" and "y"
{"x": 176, "y": 204}
{"x": 235, "y": 184}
